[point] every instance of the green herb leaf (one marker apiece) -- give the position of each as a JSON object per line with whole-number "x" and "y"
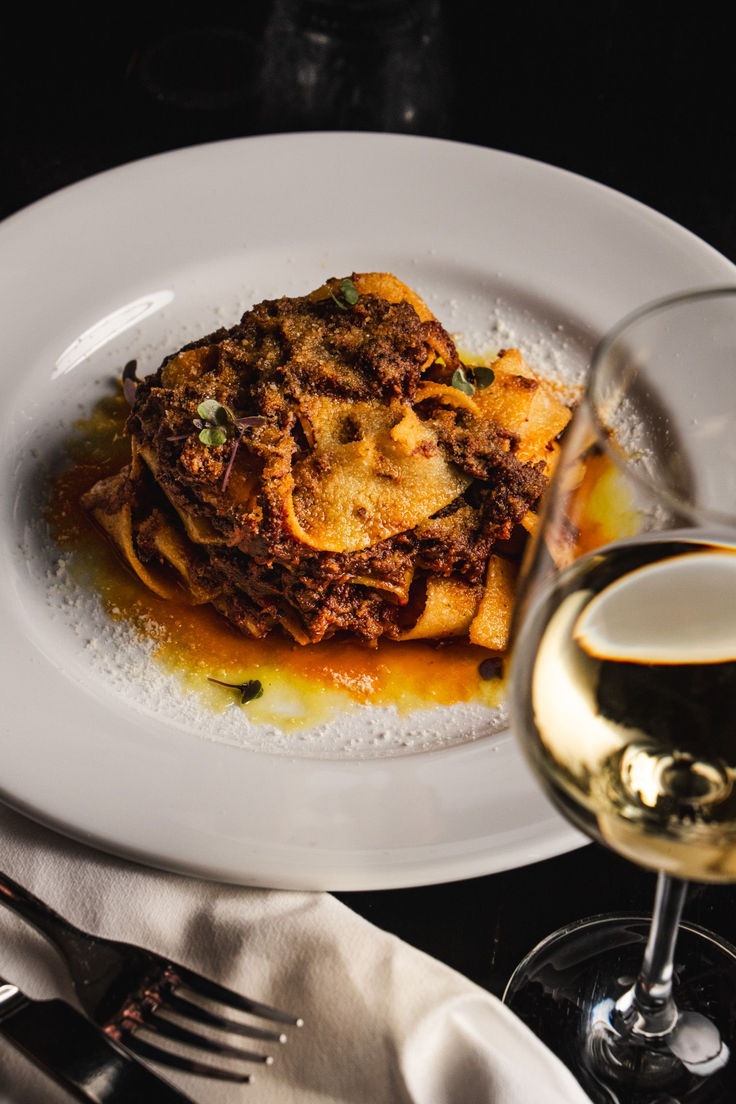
{"x": 214, "y": 412}
{"x": 349, "y": 294}
{"x": 213, "y": 435}
{"x": 338, "y": 302}
{"x": 461, "y": 382}
{"x": 484, "y": 376}
{"x": 349, "y": 291}
{"x": 249, "y": 690}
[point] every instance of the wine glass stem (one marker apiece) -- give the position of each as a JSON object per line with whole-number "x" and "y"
{"x": 648, "y": 1007}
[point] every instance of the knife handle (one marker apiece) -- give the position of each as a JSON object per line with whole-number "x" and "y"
{"x": 78, "y": 1055}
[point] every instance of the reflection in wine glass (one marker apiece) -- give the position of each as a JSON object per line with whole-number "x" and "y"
{"x": 624, "y": 697}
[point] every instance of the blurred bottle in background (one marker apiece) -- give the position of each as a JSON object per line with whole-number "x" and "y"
{"x": 354, "y": 65}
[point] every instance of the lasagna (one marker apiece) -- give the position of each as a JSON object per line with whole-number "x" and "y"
{"x": 329, "y": 465}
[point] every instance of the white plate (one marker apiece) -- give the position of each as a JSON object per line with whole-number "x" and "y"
{"x": 141, "y": 259}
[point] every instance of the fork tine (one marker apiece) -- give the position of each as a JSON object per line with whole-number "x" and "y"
{"x": 167, "y": 1029}
{"x": 178, "y": 1004}
{"x": 204, "y": 987}
{"x": 152, "y": 1053}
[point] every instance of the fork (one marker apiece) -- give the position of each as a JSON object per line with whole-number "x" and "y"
{"x": 131, "y": 993}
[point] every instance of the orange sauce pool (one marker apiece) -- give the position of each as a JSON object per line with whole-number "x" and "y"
{"x": 303, "y": 685}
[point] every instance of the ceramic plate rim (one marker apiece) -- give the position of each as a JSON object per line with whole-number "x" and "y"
{"x": 152, "y": 811}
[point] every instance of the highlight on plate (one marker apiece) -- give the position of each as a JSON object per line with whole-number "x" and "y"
{"x": 330, "y": 466}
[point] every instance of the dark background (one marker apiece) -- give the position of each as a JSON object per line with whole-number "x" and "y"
{"x": 634, "y": 95}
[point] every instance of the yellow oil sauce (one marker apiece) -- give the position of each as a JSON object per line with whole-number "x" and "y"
{"x": 604, "y": 510}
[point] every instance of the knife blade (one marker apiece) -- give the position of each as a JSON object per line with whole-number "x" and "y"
{"x": 71, "y": 1050}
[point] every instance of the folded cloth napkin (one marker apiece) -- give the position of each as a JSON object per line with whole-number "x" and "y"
{"x": 384, "y": 1023}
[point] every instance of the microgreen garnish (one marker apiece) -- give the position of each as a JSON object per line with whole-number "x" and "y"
{"x": 461, "y": 382}
{"x": 212, "y": 435}
{"x": 216, "y": 423}
{"x": 349, "y": 294}
{"x": 213, "y": 422}
{"x": 248, "y": 691}
{"x": 130, "y": 381}
{"x": 484, "y": 376}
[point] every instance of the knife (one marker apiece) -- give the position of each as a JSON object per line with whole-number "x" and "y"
{"x": 77, "y": 1054}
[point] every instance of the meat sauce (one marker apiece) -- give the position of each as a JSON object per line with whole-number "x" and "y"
{"x": 195, "y": 643}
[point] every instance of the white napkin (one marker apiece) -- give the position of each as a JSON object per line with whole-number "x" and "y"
{"x": 384, "y": 1023}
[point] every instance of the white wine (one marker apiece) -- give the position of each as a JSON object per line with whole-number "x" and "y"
{"x": 625, "y": 699}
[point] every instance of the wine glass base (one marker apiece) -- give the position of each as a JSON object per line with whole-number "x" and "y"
{"x": 566, "y": 990}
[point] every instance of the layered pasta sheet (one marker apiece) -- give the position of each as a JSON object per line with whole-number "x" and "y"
{"x": 329, "y": 465}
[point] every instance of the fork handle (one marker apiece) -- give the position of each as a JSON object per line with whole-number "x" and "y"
{"x": 63, "y": 934}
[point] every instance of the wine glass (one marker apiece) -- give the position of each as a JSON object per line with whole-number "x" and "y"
{"x": 623, "y": 693}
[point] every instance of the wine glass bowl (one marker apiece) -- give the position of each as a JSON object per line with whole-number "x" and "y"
{"x": 623, "y": 689}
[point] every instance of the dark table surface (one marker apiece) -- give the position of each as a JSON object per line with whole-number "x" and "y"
{"x": 627, "y": 94}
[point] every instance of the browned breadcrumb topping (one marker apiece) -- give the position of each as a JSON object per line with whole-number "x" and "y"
{"x": 255, "y": 570}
